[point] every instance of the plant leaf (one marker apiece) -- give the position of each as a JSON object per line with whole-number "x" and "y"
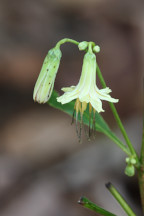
{"x": 100, "y": 124}
{"x": 92, "y": 206}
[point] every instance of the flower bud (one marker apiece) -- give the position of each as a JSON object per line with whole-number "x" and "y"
{"x": 96, "y": 49}
{"x": 127, "y": 160}
{"x": 133, "y": 161}
{"x": 130, "y": 170}
{"x": 83, "y": 45}
{"x": 45, "y": 82}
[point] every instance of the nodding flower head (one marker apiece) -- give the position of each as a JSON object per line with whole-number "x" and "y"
{"x": 45, "y": 82}
{"x": 86, "y": 91}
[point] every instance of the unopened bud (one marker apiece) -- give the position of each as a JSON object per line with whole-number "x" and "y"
{"x": 45, "y": 82}
{"x": 83, "y": 45}
{"x": 130, "y": 170}
{"x": 96, "y": 49}
{"x": 133, "y": 161}
{"x": 127, "y": 160}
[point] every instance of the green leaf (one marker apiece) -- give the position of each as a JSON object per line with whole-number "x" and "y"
{"x": 92, "y": 206}
{"x": 100, "y": 124}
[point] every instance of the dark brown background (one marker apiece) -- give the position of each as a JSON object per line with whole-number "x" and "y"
{"x": 43, "y": 168}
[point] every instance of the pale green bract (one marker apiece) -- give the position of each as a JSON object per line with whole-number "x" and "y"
{"x": 45, "y": 82}
{"x": 86, "y": 91}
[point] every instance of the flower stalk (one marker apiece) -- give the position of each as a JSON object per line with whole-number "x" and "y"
{"x": 118, "y": 120}
{"x": 141, "y": 169}
{"x": 67, "y": 40}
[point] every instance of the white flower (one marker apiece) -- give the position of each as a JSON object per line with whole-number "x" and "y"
{"x": 86, "y": 91}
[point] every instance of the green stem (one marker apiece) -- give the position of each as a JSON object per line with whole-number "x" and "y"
{"x": 90, "y": 44}
{"x": 141, "y": 184}
{"x": 66, "y": 40}
{"x": 120, "y": 199}
{"x": 117, "y": 118}
{"x": 92, "y": 206}
{"x": 141, "y": 170}
{"x": 142, "y": 146}
{"x": 119, "y": 143}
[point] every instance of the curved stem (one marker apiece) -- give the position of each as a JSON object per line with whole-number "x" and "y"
{"x": 67, "y": 40}
{"x": 118, "y": 120}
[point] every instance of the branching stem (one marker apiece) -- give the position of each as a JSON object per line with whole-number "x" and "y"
{"x": 66, "y": 40}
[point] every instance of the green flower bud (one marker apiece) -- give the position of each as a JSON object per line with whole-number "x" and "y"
{"x": 127, "y": 160}
{"x": 130, "y": 170}
{"x": 45, "y": 82}
{"x": 133, "y": 161}
{"x": 96, "y": 49}
{"x": 83, "y": 45}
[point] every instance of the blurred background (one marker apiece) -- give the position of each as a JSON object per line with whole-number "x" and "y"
{"x": 43, "y": 168}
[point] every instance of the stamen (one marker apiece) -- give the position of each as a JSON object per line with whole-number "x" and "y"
{"x": 86, "y": 133}
{"x": 80, "y": 108}
{"x": 90, "y": 108}
{"x": 80, "y": 131}
{"x": 77, "y": 124}
{"x": 84, "y": 106}
{"x": 89, "y": 131}
{"x": 93, "y": 127}
{"x": 76, "y": 108}
{"x": 78, "y": 105}
{"x": 73, "y": 117}
{"x": 90, "y": 114}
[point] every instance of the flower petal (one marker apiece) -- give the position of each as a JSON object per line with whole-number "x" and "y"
{"x": 86, "y": 90}
{"x": 67, "y": 97}
{"x": 105, "y": 96}
{"x": 106, "y": 90}
{"x": 68, "y": 89}
{"x": 97, "y": 105}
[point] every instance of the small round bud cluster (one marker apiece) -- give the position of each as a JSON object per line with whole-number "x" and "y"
{"x": 130, "y": 169}
{"x": 131, "y": 160}
{"x": 84, "y": 45}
